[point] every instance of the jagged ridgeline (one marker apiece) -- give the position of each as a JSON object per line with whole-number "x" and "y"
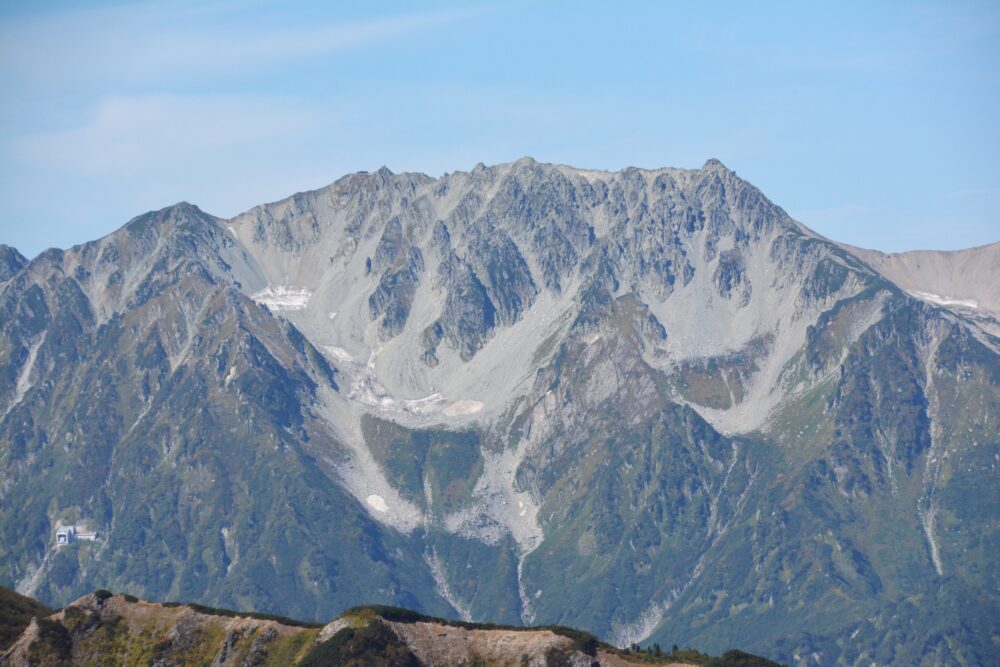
{"x": 644, "y": 403}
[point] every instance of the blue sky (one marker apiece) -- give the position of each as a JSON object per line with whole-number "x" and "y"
{"x": 873, "y": 123}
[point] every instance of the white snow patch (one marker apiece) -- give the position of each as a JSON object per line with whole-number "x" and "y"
{"x": 338, "y": 353}
{"x": 377, "y": 503}
{"x": 946, "y": 301}
{"x": 427, "y": 405}
{"x": 282, "y": 297}
{"x": 463, "y": 407}
{"x": 366, "y": 389}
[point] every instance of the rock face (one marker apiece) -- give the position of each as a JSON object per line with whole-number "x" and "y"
{"x": 645, "y": 403}
{"x": 11, "y": 261}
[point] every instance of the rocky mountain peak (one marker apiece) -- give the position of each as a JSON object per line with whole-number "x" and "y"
{"x": 646, "y": 402}
{"x": 714, "y": 164}
{"x": 11, "y": 261}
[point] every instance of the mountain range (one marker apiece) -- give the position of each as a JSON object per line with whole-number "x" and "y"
{"x": 646, "y": 403}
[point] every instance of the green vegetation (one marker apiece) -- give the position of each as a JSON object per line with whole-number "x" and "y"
{"x": 733, "y": 658}
{"x": 183, "y": 422}
{"x": 654, "y": 653}
{"x": 215, "y": 611}
{"x": 290, "y": 649}
{"x": 448, "y": 461}
{"x": 718, "y": 382}
{"x": 582, "y": 641}
{"x": 53, "y": 646}
{"x": 16, "y": 612}
{"x": 95, "y": 632}
{"x": 373, "y": 645}
{"x": 740, "y": 659}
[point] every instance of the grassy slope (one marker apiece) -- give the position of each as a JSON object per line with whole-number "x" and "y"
{"x": 16, "y": 612}
{"x": 121, "y": 629}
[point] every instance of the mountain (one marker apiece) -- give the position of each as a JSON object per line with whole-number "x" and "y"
{"x": 11, "y": 261}
{"x": 646, "y": 403}
{"x": 963, "y": 277}
{"x": 965, "y": 280}
{"x": 102, "y": 628}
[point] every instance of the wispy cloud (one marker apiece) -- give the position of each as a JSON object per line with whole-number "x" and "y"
{"x": 104, "y": 91}
{"x": 128, "y": 133}
{"x": 158, "y": 41}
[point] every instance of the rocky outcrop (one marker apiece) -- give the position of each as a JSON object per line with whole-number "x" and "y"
{"x": 11, "y": 261}
{"x": 730, "y": 277}
{"x": 393, "y": 297}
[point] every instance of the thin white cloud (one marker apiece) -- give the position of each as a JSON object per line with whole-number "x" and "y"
{"x": 128, "y": 133}
{"x": 161, "y": 42}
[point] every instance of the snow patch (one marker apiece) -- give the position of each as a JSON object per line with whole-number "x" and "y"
{"x": 338, "y": 353}
{"x": 946, "y": 301}
{"x": 366, "y": 389}
{"x": 463, "y": 407}
{"x": 377, "y": 503}
{"x": 427, "y": 405}
{"x": 282, "y": 298}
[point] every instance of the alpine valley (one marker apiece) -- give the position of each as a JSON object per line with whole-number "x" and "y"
{"x": 645, "y": 403}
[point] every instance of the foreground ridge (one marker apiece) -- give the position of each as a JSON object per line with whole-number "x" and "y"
{"x": 103, "y": 627}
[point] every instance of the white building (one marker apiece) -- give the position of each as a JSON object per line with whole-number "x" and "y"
{"x": 69, "y": 534}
